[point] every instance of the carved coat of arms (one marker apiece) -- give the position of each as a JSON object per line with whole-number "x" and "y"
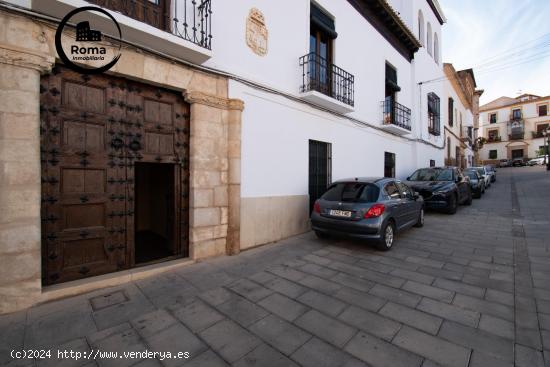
{"x": 256, "y": 32}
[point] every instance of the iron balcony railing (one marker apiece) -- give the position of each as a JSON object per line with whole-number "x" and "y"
{"x": 516, "y": 136}
{"x": 321, "y": 76}
{"x": 190, "y": 20}
{"x": 493, "y": 139}
{"x": 466, "y": 134}
{"x": 396, "y": 114}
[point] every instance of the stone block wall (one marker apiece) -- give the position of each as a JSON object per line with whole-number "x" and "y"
{"x": 26, "y": 51}
{"x": 20, "y": 256}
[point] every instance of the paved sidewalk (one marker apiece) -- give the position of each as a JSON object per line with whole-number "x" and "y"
{"x": 471, "y": 289}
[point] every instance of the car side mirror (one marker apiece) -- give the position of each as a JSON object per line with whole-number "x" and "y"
{"x": 408, "y": 178}
{"x": 416, "y": 195}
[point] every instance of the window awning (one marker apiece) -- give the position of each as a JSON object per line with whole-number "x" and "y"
{"x": 392, "y": 85}
{"x": 391, "y": 79}
{"x": 323, "y": 21}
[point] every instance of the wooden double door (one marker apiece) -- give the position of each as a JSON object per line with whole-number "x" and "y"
{"x": 95, "y": 132}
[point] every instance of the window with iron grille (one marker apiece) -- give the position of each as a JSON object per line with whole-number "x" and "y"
{"x": 389, "y": 164}
{"x": 493, "y": 118}
{"x": 451, "y": 109}
{"x": 432, "y": 162}
{"x": 543, "y": 110}
{"x": 434, "y": 114}
{"x": 320, "y": 169}
{"x": 493, "y": 154}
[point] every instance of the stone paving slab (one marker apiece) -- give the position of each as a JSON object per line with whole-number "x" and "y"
{"x": 466, "y": 290}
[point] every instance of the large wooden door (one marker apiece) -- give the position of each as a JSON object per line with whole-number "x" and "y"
{"x": 93, "y": 129}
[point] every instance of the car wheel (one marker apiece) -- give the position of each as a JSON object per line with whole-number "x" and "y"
{"x": 469, "y": 199}
{"x": 483, "y": 189}
{"x": 478, "y": 194}
{"x": 321, "y": 235}
{"x": 388, "y": 236}
{"x": 420, "y": 221}
{"x": 452, "y": 204}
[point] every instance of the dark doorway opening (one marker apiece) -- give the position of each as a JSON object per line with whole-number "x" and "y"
{"x": 517, "y": 153}
{"x": 389, "y": 164}
{"x": 320, "y": 170}
{"x": 155, "y": 211}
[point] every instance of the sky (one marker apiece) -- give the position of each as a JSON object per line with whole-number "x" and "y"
{"x": 507, "y": 42}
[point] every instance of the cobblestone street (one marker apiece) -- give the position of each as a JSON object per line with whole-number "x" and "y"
{"x": 471, "y": 289}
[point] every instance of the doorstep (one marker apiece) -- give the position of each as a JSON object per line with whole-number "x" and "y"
{"x": 76, "y": 287}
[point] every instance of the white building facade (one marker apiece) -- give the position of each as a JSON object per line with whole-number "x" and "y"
{"x": 282, "y": 126}
{"x": 461, "y": 102}
{"x": 513, "y": 128}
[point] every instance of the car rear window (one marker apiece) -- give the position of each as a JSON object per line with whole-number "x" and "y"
{"x": 472, "y": 175}
{"x": 355, "y": 192}
{"x": 432, "y": 174}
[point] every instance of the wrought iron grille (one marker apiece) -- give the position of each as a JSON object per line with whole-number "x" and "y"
{"x": 516, "y": 136}
{"x": 396, "y": 114}
{"x": 188, "y": 19}
{"x": 193, "y": 21}
{"x": 324, "y": 77}
{"x": 320, "y": 169}
{"x": 434, "y": 126}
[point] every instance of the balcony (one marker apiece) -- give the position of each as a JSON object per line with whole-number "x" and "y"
{"x": 326, "y": 84}
{"x": 494, "y": 139}
{"x": 466, "y": 134}
{"x": 537, "y": 134}
{"x": 516, "y": 136}
{"x": 396, "y": 118}
{"x": 179, "y": 28}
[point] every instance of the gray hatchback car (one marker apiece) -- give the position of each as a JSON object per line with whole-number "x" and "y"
{"x": 367, "y": 208}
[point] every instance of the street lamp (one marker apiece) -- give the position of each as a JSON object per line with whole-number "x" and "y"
{"x": 544, "y": 148}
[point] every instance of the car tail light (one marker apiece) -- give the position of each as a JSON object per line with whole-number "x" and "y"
{"x": 317, "y": 207}
{"x": 375, "y": 211}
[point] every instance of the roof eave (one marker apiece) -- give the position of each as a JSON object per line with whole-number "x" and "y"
{"x": 436, "y": 8}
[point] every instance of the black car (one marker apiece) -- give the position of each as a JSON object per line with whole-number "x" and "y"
{"x": 442, "y": 187}
{"x": 518, "y": 162}
{"x": 477, "y": 183}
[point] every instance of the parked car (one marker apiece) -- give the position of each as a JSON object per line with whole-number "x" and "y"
{"x": 539, "y": 161}
{"x": 367, "y": 208}
{"x": 492, "y": 172}
{"x": 505, "y": 163}
{"x": 518, "y": 162}
{"x": 482, "y": 170}
{"x": 477, "y": 183}
{"x": 442, "y": 187}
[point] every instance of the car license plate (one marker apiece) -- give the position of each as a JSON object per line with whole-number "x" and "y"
{"x": 340, "y": 213}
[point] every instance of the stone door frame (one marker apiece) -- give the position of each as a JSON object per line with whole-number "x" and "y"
{"x": 215, "y": 155}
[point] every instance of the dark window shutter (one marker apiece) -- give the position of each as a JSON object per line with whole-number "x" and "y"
{"x": 451, "y": 109}
{"x": 391, "y": 78}
{"x": 323, "y": 21}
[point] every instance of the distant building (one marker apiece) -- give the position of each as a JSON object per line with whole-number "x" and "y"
{"x": 85, "y": 34}
{"x": 513, "y": 127}
{"x": 462, "y": 103}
